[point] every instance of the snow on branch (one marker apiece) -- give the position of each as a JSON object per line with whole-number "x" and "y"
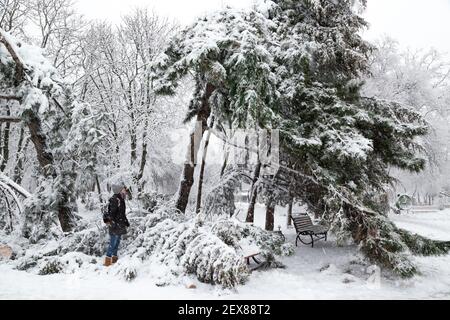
{"x": 20, "y": 67}
{"x": 7, "y": 189}
{"x": 5, "y": 181}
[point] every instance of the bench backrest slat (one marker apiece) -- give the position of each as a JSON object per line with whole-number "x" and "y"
{"x": 302, "y": 222}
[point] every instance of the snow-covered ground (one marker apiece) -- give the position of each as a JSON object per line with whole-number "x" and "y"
{"x": 324, "y": 272}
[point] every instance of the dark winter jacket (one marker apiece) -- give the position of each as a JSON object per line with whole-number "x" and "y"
{"x": 117, "y": 218}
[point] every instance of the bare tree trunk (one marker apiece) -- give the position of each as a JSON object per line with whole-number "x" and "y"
{"x": 289, "y": 212}
{"x": 5, "y": 144}
{"x": 150, "y": 102}
{"x": 254, "y": 195}
{"x": 20, "y": 157}
{"x": 46, "y": 162}
{"x": 65, "y": 212}
{"x": 225, "y": 163}
{"x": 97, "y": 182}
{"x": 45, "y": 158}
{"x": 187, "y": 179}
{"x": 141, "y": 183}
{"x": 133, "y": 145}
{"x": 270, "y": 214}
{"x": 132, "y": 128}
{"x": 140, "y": 175}
{"x": 202, "y": 172}
{"x": 116, "y": 140}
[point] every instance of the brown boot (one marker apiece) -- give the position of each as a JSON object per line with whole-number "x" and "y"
{"x": 114, "y": 259}
{"x": 108, "y": 262}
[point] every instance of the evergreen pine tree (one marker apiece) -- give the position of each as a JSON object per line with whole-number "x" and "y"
{"x": 296, "y": 66}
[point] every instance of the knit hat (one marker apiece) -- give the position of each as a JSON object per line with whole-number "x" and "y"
{"x": 116, "y": 188}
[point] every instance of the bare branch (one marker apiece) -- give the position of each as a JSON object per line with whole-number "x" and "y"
{"x": 442, "y": 80}
{"x": 10, "y": 119}
{"x": 9, "y": 97}
{"x": 13, "y": 15}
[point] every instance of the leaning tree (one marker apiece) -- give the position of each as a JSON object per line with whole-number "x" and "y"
{"x": 63, "y": 132}
{"x": 226, "y": 56}
{"x": 338, "y": 144}
{"x": 296, "y": 65}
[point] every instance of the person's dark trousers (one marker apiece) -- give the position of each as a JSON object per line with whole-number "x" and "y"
{"x": 113, "y": 245}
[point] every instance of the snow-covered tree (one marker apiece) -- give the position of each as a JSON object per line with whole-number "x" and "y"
{"x": 54, "y": 120}
{"x": 54, "y": 26}
{"x": 343, "y": 144}
{"x": 297, "y": 66}
{"x": 14, "y": 15}
{"x": 419, "y": 79}
{"x": 233, "y": 81}
{"x": 117, "y": 81}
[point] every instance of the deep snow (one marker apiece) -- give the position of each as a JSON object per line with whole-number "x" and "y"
{"x": 324, "y": 272}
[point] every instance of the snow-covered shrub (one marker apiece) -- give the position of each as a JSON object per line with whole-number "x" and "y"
{"x": 176, "y": 245}
{"x": 40, "y": 216}
{"x": 92, "y": 201}
{"x": 220, "y": 199}
{"x": 151, "y": 201}
{"x": 212, "y": 261}
{"x": 212, "y": 251}
{"x": 185, "y": 246}
{"x": 129, "y": 270}
{"x": 26, "y": 263}
{"x": 91, "y": 242}
{"x": 51, "y": 263}
{"x": 130, "y": 274}
{"x": 238, "y": 234}
{"x": 51, "y": 267}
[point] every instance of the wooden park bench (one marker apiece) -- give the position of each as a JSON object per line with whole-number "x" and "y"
{"x": 252, "y": 256}
{"x": 304, "y": 227}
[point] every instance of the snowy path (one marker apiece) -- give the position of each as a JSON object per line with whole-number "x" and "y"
{"x": 435, "y": 225}
{"x": 341, "y": 276}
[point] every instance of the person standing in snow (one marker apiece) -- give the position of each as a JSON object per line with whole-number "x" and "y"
{"x": 117, "y": 222}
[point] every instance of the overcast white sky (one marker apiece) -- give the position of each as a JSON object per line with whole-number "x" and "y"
{"x": 415, "y": 23}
